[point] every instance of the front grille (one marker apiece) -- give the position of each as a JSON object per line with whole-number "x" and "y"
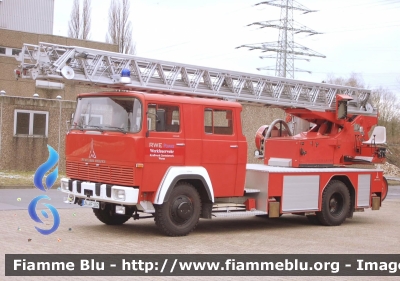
{"x": 102, "y": 173}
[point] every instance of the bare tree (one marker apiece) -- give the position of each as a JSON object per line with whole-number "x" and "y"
{"x": 86, "y": 19}
{"x": 120, "y": 27}
{"x": 74, "y": 25}
{"x": 388, "y": 106}
{"x": 354, "y": 80}
{"x": 384, "y": 100}
{"x": 80, "y": 21}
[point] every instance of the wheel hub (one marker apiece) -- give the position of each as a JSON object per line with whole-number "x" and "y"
{"x": 336, "y": 204}
{"x": 182, "y": 209}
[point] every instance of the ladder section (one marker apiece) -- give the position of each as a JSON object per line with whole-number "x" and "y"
{"x": 90, "y": 66}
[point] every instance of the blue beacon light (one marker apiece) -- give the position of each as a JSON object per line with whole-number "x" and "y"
{"x": 125, "y": 76}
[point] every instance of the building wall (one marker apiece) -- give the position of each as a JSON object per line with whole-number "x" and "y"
{"x": 15, "y": 39}
{"x": 253, "y": 117}
{"x": 27, "y": 153}
{"x": 27, "y": 15}
{"x": 16, "y": 151}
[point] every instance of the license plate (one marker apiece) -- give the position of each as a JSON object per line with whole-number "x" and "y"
{"x": 93, "y": 204}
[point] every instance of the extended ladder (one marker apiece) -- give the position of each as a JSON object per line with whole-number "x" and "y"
{"x": 91, "y": 66}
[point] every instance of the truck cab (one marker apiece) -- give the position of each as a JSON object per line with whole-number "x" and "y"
{"x": 131, "y": 149}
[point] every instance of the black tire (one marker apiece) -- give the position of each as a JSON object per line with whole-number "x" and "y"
{"x": 108, "y": 217}
{"x": 180, "y": 214}
{"x": 335, "y": 204}
{"x": 313, "y": 219}
{"x": 385, "y": 189}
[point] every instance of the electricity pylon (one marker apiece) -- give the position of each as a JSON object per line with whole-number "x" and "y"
{"x": 286, "y": 49}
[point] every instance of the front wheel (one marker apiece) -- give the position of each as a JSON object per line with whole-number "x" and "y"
{"x": 107, "y": 216}
{"x": 335, "y": 204}
{"x": 180, "y": 214}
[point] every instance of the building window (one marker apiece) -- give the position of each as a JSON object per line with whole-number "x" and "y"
{"x": 31, "y": 123}
{"x": 15, "y": 51}
{"x": 94, "y": 120}
{"x": 11, "y": 52}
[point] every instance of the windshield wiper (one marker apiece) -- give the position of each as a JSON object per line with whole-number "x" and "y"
{"x": 118, "y": 128}
{"x": 94, "y": 126}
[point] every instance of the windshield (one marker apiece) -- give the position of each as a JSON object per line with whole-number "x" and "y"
{"x": 108, "y": 114}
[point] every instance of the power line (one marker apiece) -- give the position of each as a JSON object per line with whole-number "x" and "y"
{"x": 373, "y": 24}
{"x": 349, "y": 30}
{"x": 366, "y": 5}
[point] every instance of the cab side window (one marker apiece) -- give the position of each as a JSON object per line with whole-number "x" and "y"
{"x": 218, "y": 121}
{"x": 163, "y": 118}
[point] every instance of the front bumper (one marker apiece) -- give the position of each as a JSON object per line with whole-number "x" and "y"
{"x": 123, "y": 195}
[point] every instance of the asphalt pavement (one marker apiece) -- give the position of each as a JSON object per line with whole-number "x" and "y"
{"x": 394, "y": 192}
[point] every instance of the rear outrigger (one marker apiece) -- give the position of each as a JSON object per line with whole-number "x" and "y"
{"x": 170, "y": 146}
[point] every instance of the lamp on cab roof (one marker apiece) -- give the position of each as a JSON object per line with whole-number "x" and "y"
{"x": 125, "y": 76}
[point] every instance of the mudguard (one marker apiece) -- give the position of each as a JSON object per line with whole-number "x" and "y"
{"x": 174, "y": 174}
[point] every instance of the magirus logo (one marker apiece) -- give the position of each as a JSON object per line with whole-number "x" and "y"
{"x": 92, "y": 154}
{"x": 49, "y": 181}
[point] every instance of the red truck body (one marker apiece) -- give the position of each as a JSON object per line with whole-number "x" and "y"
{"x": 176, "y": 152}
{"x": 168, "y": 143}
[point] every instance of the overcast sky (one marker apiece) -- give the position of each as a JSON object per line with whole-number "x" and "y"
{"x": 361, "y": 36}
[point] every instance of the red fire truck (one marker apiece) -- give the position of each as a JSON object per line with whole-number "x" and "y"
{"x": 165, "y": 141}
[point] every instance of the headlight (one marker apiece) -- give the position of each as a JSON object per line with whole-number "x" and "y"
{"x": 121, "y": 194}
{"x": 64, "y": 184}
{"x": 120, "y": 210}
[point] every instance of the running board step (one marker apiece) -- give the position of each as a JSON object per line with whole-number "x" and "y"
{"x": 238, "y": 214}
{"x": 227, "y": 207}
{"x": 248, "y": 191}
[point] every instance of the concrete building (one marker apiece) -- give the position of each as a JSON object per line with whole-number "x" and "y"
{"x": 27, "y": 123}
{"x": 29, "y": 16}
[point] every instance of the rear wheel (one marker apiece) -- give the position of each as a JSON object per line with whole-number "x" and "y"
{"x": 180, "y": 214}
{"x": 107, "y": 216}
{"x": 335, "y": 204}
{"x": 385, "y": 188}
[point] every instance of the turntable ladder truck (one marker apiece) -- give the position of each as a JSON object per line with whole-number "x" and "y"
{"x": 165, "y": 141}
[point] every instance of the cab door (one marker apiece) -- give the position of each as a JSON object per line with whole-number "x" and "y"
{"x": 220, "y": 149}
{"x": 164, "y": 142}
